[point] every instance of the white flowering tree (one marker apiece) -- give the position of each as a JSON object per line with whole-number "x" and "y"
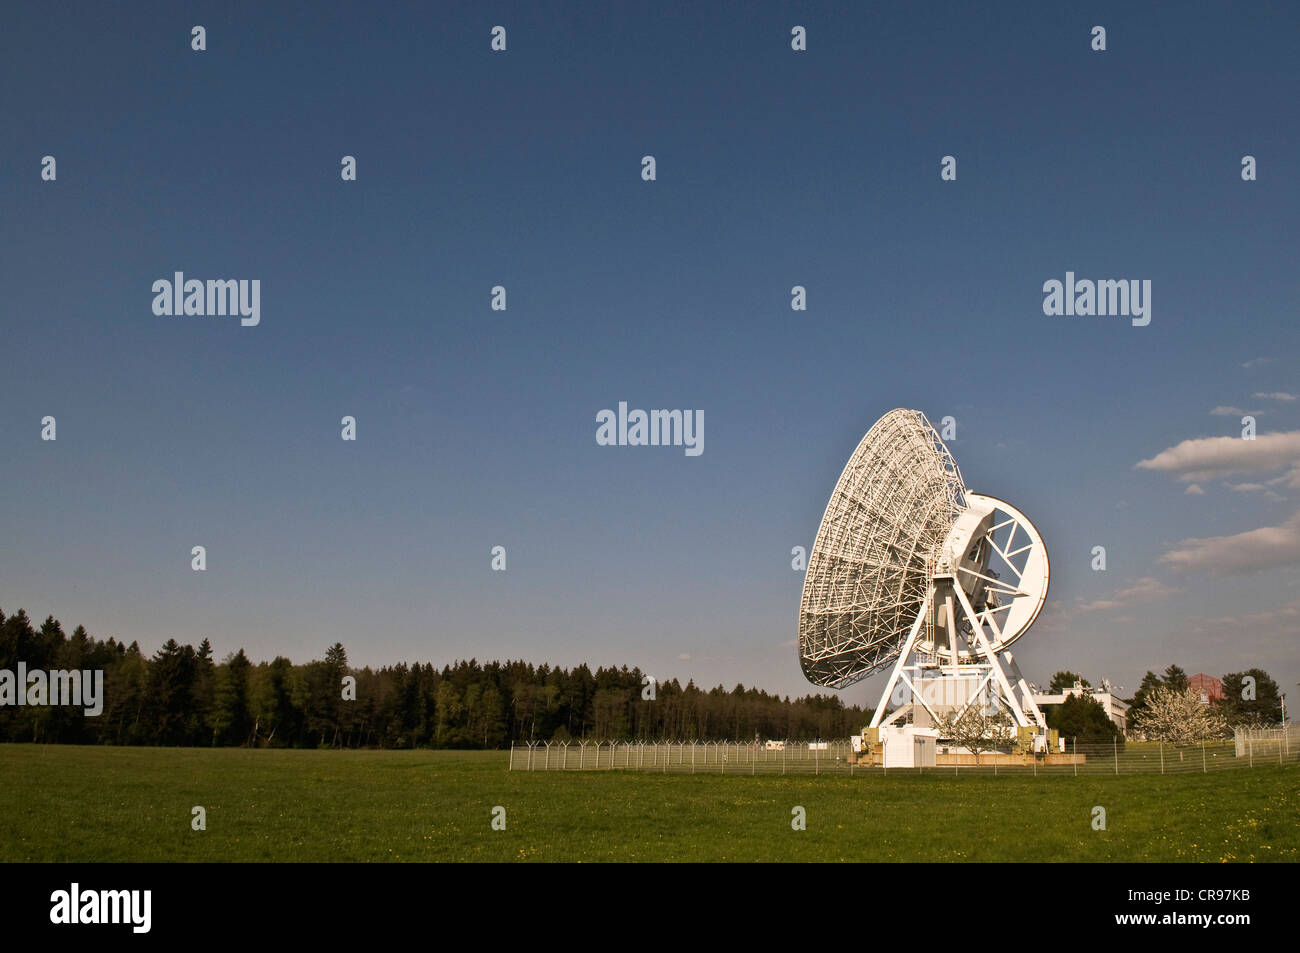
{"x": 1179, "y": 717}
{"x": 981, "y": 728}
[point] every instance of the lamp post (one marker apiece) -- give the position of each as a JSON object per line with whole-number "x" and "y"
{"x": 1286, "y": 742}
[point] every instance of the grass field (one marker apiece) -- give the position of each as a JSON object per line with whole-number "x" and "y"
{"x": 60, "y": 803}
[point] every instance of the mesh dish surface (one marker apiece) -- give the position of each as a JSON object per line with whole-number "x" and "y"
{"x": 876, "y": 549}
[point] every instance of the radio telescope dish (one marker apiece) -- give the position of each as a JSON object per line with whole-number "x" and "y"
{"x": 911, "y": 567}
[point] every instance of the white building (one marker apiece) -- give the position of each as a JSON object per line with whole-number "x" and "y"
{"x": 909, "y": 746}
{"x": 1116, "y": 709}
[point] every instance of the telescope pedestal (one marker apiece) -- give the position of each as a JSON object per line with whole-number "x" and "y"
{"x": 931, "y": 687}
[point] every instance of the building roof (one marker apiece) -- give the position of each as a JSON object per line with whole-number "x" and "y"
{"x": 1207, "y": 685}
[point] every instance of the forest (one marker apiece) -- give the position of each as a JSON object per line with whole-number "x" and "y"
{"x": 181, "y": 695}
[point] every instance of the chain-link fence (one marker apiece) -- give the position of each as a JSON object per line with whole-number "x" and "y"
{"x": 712, "y": 757}
{"x": 1248, "y": 749}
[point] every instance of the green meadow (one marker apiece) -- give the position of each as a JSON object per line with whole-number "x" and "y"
{"x": 64, "y": 803}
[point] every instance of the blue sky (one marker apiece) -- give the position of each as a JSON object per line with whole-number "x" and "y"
{"x": 476, "y": 428}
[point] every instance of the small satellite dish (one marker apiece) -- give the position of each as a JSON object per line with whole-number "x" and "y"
{"x": 911, "y": 568}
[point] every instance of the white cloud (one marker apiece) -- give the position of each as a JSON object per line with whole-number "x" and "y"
{"x": 1206, "y": 458}
{"x": 1146, "y": 589}
{"x": 1263, "y": 488}
{"x": 1251, "y": 551}
{"x": 1257, "y": 361}
{"x": 1291, "y": 478}
{"x": 1194, "y": 490}
{"x": 1277, "y": 395}
{"x": 1286, "y": 616}
{"x": 684, "y": 656}
{"x": 1222, "y": 411}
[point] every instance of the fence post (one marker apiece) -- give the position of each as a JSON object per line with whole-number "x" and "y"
{"x": 1115, "y": 744}
{"x": 1162, "y": 757}
{"x": 1250, "y": 747}
{"x": 1204, "y": 769}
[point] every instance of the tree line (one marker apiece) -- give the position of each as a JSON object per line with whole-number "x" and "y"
{"x": 181, "y": 695}
{"x": 1251, "y": 699}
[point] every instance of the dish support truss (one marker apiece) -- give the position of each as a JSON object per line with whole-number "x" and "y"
{"x": 936, "y": 684}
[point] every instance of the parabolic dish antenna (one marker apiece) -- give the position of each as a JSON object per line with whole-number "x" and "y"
{"x": 911, "y": 568}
